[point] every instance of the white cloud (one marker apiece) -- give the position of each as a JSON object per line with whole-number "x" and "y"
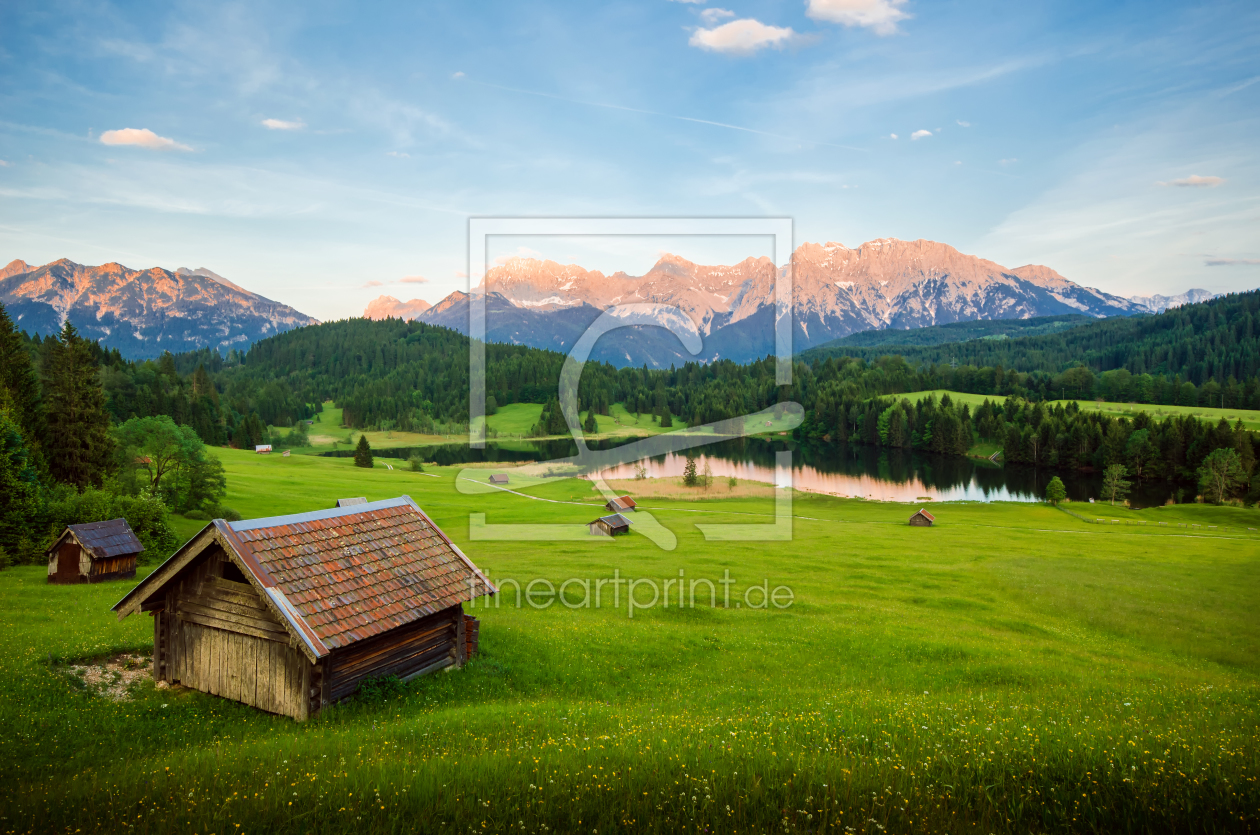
{"x": 399, "y": 154}
{"x": 880, "y": 15}
{"x": 1232, "y": 262}
{"x": 459, "y": 74}
{"x": 142, "y": 137}
{"x": 963, "y": 124}
{"x": 4, "y": 163}
{"x": 413, "y": 279}
{"x": 919, "y": 134}
{"x": 741, "y": 37}
{"x": 281, "y": 124}
{"x": 712, "y": 16}
{"x": 374, "y": 284}
{"x": 1195, "y": 181}
{"x": 697, "y": 2}
{"x": 1009, "y": 161}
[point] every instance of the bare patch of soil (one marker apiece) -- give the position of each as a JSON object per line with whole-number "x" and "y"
{"x": 114, "y": 677}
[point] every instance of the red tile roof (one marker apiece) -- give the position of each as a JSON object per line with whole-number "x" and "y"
{"x": 925, "y": 514}
{"x": 350, "y": 573}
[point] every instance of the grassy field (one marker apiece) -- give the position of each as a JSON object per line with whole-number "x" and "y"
{"x": 1250, "y": 418}
{"x": 519, "y": 418}
{"x": 329, "y": 433}
{"x": 1012, "y": 669}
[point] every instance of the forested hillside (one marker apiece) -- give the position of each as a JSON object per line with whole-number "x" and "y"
{"x": 1210, "y": 345}
{"x": 960, "y": 332}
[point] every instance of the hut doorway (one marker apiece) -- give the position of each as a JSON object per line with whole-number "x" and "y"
{"x": 68, "y": 563}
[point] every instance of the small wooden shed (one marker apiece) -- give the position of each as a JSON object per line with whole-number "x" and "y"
{"x": 351, "y": 502}
{"x": 499, "y": 478}
{"x": 610, "y": 525}
{"x": 922, "y": 519}
{"x": 94, "y": 552}
{"x": 621, "y": 504}
{"x": 290, "y": 613}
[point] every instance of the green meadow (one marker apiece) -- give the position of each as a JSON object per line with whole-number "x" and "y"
{"x": 1249, "y": 417}
{"x": 1012, "y": 669}
{"x": 519, "y": 419}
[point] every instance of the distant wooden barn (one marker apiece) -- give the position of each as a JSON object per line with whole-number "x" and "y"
{"x": 94, "y": 552}
{"x": 351, "y": 502}
{"x": 621, "y": 504}
{"x": 613, "y": 524}
{"x": 499, "y": 478}
{"x": 291, "y": 613}
{"x": 922, "y": 519}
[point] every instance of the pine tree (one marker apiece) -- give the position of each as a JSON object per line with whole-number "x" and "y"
{"x": 666, "y": 419}
{"x": 77, "y": 440}
{"x": 18, "y": 376}
{"x": 689, "y": 472}
{"x": 363, "y": 453}
{"x": 590, "y": 426}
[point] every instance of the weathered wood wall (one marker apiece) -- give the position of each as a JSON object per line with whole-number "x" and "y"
{"x": 113, "y": 568}
{"x": 218, "y": 636}
{"x": 429, "y": 642}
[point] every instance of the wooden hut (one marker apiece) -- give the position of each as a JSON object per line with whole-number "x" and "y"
{"x": 621, "y": 504}
{"x": 94, "y": 552}
{"x": 351, "y": 502}
{"x": 610, "y": 525}
{"x": 290, "y": 613}
{"x": 499, "y": 478}
{"x": 922, "y": 519}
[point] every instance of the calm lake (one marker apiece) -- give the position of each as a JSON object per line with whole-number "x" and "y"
{"x": 837, "y": 469}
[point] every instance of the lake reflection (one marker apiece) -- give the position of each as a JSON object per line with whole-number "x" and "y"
{"x": 890, "y": 475}
{"x": 836, "y": 469}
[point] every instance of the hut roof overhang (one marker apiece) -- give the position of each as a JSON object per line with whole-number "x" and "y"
{"x": 335, "y": 576}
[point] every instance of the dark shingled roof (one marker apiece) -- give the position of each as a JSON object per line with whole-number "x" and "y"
{"x": 351, "y": 573}
{"x": 107, "y": 539}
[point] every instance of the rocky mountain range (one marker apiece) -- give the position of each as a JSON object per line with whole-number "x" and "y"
{"x": 836, "y": 291}
{"x": 141, "y": 312}
{"x": 1158, "y": 304}
{"x": 388, "y": 307}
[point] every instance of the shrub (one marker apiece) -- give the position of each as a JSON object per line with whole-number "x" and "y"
{"x": 197, "y": 515}
{"x": 416, "y": 463}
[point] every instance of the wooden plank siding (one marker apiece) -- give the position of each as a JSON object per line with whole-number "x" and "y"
{"x": 399, "y": 652}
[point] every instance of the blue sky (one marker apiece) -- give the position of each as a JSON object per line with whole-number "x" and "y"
{"x": 321, "y": 153}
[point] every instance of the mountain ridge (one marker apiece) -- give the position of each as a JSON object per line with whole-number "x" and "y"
{"x": 142, "y": 312}
{"x": 836, "y": 291}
